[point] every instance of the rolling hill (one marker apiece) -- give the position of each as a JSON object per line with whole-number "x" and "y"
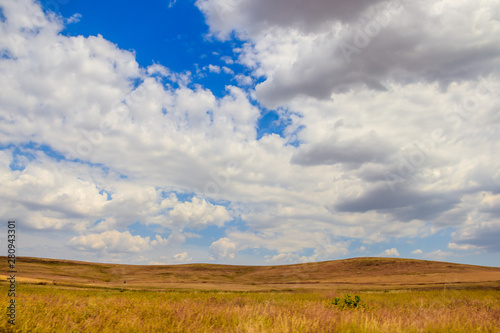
{"x": 357, "y": 273}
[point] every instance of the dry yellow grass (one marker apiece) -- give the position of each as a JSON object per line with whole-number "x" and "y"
{"x": 398, "y": 295}
{"x": 50, "y": 309}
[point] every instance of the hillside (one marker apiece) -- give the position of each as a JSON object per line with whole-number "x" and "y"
{"x": 356, "y": 273}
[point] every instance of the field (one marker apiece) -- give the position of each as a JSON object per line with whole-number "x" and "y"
{"x": 397, "y": 295}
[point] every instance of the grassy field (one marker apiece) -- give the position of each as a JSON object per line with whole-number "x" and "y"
{"x": 52, "y": 309}
{"x": 63, "y": 296}
{"x": 356, "y": 273}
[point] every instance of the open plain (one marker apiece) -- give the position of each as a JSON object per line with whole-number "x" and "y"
{"x": 397, "y": 295}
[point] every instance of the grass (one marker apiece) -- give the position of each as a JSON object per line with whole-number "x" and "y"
{"x": 48, "y": 308}
{"x": 395, "y": 295}
{"x": 361, "y": 273}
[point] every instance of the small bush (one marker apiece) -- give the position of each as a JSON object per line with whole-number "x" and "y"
{"x": 348, "y": 302}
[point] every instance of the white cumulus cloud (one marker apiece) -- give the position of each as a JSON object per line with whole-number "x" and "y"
{"x": 112, "y": 241}
{"x": 393, "y": 252}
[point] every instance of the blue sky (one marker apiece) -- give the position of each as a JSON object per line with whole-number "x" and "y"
{"x": 251, "y": 132}
{"x": 174, "y": 35}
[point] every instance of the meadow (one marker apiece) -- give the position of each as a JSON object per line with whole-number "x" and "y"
{"x": 52, "y": 309}
{"x": 63, "y": 305}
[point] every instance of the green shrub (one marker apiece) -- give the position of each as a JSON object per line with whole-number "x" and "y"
{"x": 348, "y": 302}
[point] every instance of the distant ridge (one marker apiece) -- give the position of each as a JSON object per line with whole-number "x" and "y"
{"x": 355, "y": 273}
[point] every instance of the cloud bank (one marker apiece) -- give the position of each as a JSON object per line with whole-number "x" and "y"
{"x": 391, "y": 112}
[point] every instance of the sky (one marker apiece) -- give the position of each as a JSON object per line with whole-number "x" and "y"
{"x": 251, "y": 132}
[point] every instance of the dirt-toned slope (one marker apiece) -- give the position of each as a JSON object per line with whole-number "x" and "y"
{"x": 357, "y": 273}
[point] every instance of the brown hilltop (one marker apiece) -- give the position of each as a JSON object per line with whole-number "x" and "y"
{"x": 355, "y": 273}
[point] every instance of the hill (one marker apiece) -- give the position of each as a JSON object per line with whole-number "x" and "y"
{"x": 356, "y": 273}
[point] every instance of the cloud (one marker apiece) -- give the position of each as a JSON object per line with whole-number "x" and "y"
{"x": 390, "y": 252}
{"x": 361, "y": 249}
{"x": 289, "y": 244}
{"x": 481, "y": 225}
{"x": 398, "y": 143}
{"x": 214, "y": 69}
{"x": 243, "y": 80}
{"x": 483, "y": 235}
{"x": 404, "y": 204}
{"x": 227, "y": 70}
{"x": 465, "y": 247}
{"x": 417, "y": 252}
{"x": 182, "y": 257}
{"x": 225, "y": 16}
{"x": 74, "y": 19}
{"x": 52, "y": 199}
{"x": 179, "y": 258}
{"x": 357, "y": 152}
{"x": 111, "y": 242}
{"x": 286, "y": 258}
{"x": 335, "y": 46}
{"x": 438, "y": 255}
{"x": 223, "y": 249}
{"x": 227, "y": 60}
{"x": 197, "y": 214}
{"x": 322, "y": 251}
